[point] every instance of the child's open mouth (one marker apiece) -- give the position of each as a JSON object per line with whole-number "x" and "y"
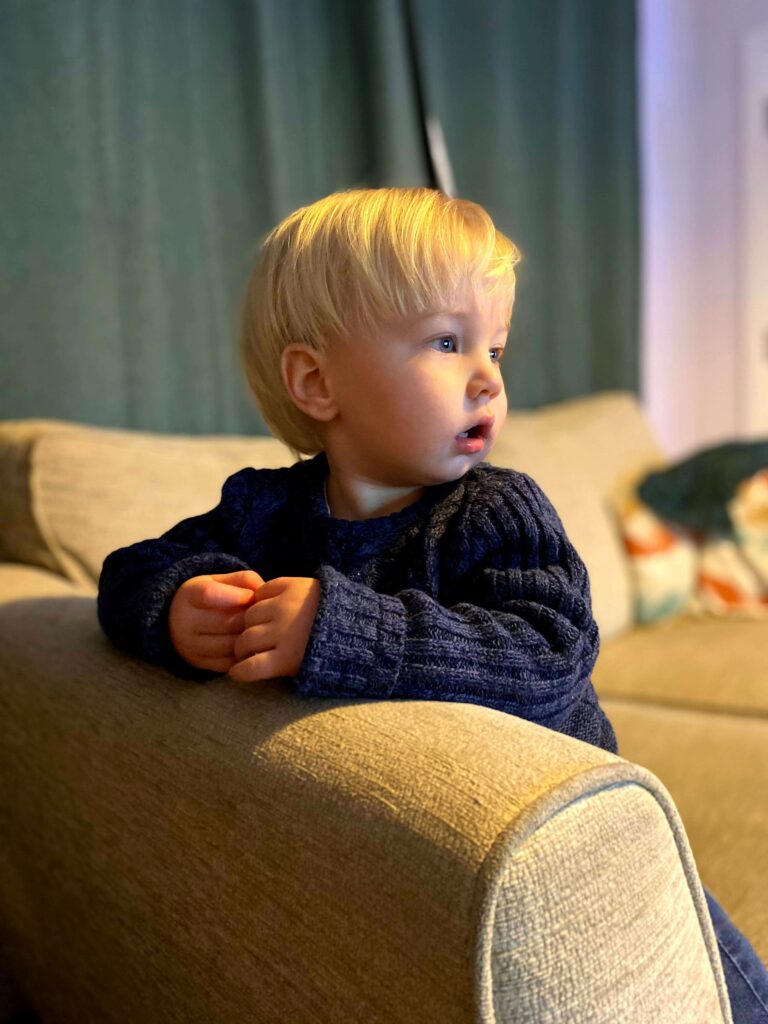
{"x": 473, "y": 439}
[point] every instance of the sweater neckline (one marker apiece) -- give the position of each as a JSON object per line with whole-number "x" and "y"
{"x": 318, "y": 469}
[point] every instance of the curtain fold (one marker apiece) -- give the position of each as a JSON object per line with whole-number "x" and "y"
{"x": 146, "y": 148}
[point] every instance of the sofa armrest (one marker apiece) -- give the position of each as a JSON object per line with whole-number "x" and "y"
{"x": 225, "y": 852}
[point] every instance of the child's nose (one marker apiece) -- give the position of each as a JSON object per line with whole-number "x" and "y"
{"x": 486, "y": 378}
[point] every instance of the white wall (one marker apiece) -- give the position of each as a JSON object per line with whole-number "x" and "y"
{"x": 690, "y": 98}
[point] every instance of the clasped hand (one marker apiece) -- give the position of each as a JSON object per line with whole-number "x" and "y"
{"x": 236, "y": 623}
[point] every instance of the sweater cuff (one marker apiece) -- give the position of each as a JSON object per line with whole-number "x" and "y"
{"x": 159, "y": 648}
{"x": 357, "y": 641}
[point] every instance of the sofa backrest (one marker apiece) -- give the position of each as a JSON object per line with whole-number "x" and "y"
{"x": 80, "y": 492}
{"x": 72, "y": 493}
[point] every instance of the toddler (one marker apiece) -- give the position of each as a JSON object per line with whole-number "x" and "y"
{"x": 393, "y": 561}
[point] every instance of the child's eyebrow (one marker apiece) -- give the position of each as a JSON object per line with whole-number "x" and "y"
{"x": 460, "y": 315}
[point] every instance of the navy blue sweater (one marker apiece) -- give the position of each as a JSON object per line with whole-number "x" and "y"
{"x": 472, "y": 593}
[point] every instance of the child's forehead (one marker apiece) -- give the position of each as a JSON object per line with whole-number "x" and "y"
{"x": 467, "y": 306}
{"x": 480, "y": 305}
{"x": 462, "y": 317}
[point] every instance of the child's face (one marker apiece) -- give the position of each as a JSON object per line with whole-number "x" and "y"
{"x": 405, "y": 394}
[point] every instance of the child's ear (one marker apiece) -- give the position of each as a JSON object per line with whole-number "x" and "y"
{"x": 306, "y": 381}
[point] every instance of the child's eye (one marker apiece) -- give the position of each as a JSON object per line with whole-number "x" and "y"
{"x": 451, "y": 342}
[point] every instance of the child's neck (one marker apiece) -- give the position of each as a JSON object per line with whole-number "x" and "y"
{"x": 358, "y": 499}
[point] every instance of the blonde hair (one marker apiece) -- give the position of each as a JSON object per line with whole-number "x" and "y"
{"x": 349, "y": 263}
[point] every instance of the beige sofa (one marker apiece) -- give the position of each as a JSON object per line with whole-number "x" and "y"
{"x": 219, "y": 853}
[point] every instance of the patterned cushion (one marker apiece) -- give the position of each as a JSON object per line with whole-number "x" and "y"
{"x": 675, "y": 570}
{"x": 663, "y": 562}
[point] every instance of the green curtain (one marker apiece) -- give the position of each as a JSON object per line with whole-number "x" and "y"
{"x": 146, "y": 147}
{"x": 538, "y": 107}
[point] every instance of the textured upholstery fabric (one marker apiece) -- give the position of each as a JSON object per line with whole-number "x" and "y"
{"x": 548, "y": 903}
{"x": 86, "y": 486}
{"x": 713, "y": 664}
{"x": 229, "y": 853}
{"x": 24, "y": 536}
{"x": 605, "y": 438}
{"x": 75, "y": 495}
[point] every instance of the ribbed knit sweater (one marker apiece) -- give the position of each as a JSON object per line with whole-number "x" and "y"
{"x": 472, "y": 593}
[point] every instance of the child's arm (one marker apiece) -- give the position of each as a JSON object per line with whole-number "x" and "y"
{"x": 518, "y": 636}
{"x": 138, "y": 583}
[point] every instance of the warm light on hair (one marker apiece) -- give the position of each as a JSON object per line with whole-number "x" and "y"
{"x": 350, "y": 263}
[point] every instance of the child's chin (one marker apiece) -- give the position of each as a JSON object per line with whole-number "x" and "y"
{"x": 446, "y": 470}
{"x": 462, "y": 465}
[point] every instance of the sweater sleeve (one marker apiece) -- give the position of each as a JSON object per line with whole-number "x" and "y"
{"x": 138, "y": 582}
{"x": 522, "y": 638}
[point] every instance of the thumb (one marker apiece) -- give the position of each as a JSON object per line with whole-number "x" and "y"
{"x": 247, "y": 578}
{"x": 228, "y": 590}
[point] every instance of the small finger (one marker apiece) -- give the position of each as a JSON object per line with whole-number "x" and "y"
{"x": 215, "y": 664}
{"x": 270, "y": 589}
{"x": 245, "y": 579}
{"x": 215, "y": 621}
{"x": 213, "y": 594}
{"x": 213, "y": 646}
{"x": 260, "y": 611}
{"x": 257, "y": 667}
{"x": 253, "y": 640}
{"x": 218, "y": 622}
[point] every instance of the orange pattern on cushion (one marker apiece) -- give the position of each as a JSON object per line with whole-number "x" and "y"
{"x": 727, "y": 592}
{"x": 662, "y": 562}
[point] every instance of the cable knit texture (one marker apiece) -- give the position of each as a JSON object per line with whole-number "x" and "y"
{"x": 472, "y": 593}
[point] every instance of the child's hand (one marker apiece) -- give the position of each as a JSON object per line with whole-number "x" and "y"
{"x": 277, "y": 628}
{"x": 207, "y": 616}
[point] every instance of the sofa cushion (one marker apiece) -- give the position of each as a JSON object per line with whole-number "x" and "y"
{"x": 24, "y": 535}
{"x": 78, "y": 492}
{"x": 605, "y": 438}
{"x": 709, "y": 663}
{"x": 675, "y": 568}
{"x": 663, "y": 563}
{"x": 733, "y": 575}
{"x": 102, "y": 489}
